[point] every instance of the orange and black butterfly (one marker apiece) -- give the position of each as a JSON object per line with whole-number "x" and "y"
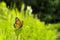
{"x": 18, "y": 23}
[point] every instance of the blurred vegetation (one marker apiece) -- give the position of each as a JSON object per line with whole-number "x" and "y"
{"x": 51, "y": 8}
{"x": 33, "y": 28}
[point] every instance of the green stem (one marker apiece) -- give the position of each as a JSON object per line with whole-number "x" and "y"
{"x": 17, "y": 38}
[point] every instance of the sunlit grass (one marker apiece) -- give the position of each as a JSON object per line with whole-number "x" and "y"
{"x": 33, "y": 29}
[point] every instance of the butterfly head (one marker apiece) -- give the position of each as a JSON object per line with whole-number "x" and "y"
{"x": 16, "y": 18}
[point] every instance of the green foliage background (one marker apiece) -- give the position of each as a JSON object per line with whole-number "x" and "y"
{"x": 33, "y": 28}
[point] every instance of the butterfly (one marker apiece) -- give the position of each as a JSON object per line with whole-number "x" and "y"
{"x": 18, "y": 24}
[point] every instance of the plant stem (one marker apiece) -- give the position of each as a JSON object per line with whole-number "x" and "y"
{"x": 17, "y": 38}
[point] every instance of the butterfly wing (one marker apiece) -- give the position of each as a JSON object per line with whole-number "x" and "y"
{"x": 18, "y": 23}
